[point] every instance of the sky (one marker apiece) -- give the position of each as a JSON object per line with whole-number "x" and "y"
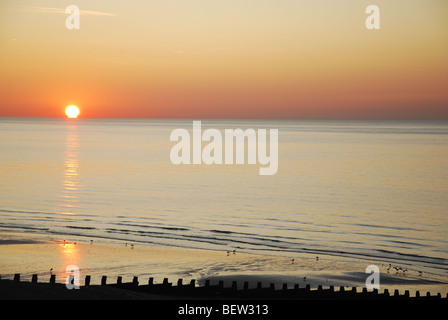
{"x": 282, "y": 59}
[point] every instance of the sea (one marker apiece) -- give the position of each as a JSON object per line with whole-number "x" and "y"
{"x": 355, "y": 189}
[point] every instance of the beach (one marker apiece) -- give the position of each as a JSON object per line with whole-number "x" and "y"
{"x": 44, "y": 257}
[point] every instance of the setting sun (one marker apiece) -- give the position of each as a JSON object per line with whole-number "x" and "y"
{"x": 72, "y": 111}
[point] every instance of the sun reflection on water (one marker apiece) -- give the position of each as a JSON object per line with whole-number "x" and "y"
{"x": 71, "y": 183}
{"x": 70, "y": 253}
{"x": 70, "y": 256}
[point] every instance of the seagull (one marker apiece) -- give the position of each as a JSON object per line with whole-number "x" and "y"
{"x": 228, "y": 253}
{"x": 234, "y": 251}
{"x": 389, "y": 268}
{"x": 292, "y": 260}
{"x": 317, "y": 258}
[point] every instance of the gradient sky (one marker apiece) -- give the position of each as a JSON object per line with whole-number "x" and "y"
{"x": 200, "y": 59}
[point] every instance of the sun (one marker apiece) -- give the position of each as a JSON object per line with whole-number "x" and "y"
{"x": 72, "y": 111}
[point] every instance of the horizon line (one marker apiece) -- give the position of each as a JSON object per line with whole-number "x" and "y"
{"x": 240, "y": 118}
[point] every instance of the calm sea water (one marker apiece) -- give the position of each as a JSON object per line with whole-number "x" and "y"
{"x": 362, "y": 189}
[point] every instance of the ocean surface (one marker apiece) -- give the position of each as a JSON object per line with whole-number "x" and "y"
{"x": 357, "y": 189}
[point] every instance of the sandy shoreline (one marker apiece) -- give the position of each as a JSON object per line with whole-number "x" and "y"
{"x": 45, "y": 256}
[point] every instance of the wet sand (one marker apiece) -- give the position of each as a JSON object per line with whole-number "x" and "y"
{"x": 46, "y": 256}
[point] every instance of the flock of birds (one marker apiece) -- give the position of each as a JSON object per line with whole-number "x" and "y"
{"x": 91, "y": 242}
{"x": 400, "y": 269}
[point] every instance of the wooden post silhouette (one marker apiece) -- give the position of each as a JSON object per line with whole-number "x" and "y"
{"x": 87, "y": 281}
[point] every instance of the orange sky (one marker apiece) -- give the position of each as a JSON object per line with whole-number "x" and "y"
{"x": 225, "y": 59}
